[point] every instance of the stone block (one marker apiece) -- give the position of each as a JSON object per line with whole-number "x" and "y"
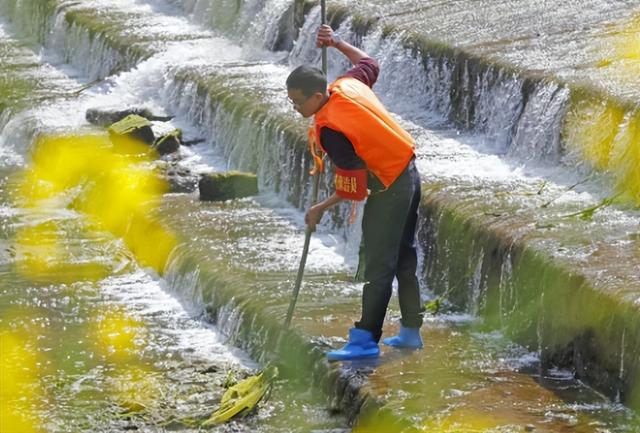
{"x": 226, "y": 186}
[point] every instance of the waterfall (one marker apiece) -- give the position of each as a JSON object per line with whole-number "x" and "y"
{"x": 90, "y": 54}
{"x": 537, "y": 133}
{"x": 468, "y": 254}
{"x": 253, "y": 138}
{"x": 32, "y": 18}
{"x": 266, "y": 24}
{"x": 512, "y": 115}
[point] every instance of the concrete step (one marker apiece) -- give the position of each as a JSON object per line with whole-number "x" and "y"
{"x": 466, "y": 378}
{"x": 489, "y": 242}
{"x": 537, "y": 80}
{"x": 506, "y": 248}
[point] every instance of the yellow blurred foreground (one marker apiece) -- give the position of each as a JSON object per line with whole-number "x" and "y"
{"x": 114, "y": 186}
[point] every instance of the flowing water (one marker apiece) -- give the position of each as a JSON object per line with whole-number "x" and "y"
{"x": 94, "y": 341}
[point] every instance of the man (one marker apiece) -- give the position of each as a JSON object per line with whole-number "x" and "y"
{"x": 373, "y": 157}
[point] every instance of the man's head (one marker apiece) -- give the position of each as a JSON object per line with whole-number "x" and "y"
{"x": 307, "y": 89}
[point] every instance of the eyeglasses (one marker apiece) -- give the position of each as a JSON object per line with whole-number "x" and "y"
{"x": 298, "y": 104}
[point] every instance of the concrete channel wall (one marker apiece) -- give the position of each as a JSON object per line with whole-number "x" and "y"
{"x": 487, "y": 257}
{"x": 495, "y": 266}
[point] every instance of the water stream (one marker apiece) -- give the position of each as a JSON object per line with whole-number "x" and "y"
{"x": 96, "y": 333}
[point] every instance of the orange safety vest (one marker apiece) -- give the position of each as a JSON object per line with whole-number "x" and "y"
{"x": 355, "y": 111}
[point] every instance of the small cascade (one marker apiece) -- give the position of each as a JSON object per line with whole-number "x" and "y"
{"x": 540, "y": 333}
{"x": 305, "y": 51}
{"x": 34, "y": 19}
{"x": 90, "y": 54}
{"x": 508, "y": 302}
{"x": 234, "y": 131}
{"x": 5, "y": 116}
{"x": 48, "y": 24}
{"x": 538, "y": 130}
{"x": 239, "y": 312}
{"x": 621, "y": 373}
{"x": 265, "y": 24}
{"x": 476, "y": 285}
{"x": 254, "y": 139}
{"x": 490, "y": 246}
{"x": 515, "y": 116}
{"x": 15, "y": 134}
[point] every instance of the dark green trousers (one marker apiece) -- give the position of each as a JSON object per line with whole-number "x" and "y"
{"x": 388, "y": 234}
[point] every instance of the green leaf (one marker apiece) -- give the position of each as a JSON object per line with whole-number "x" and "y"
{"x": 433, "y": 306}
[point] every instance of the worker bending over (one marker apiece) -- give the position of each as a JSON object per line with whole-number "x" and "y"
{"x": 374, "y": 160}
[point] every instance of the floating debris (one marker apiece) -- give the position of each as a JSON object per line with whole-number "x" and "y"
{"x": 241, "y": 398}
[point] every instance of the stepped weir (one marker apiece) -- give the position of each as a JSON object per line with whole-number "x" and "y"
{"x": 525, "y": 119}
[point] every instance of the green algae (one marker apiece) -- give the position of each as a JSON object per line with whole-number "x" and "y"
{"x": 235, "y": 103}
{"x": 362, "y": 24}
{"x": 486, "y": 256}
{"x": 469, "y": 60}
{"x": 81, "y": 387}
{"x": 242, "y": 105}
{"x": 336, "y": 14}
{"x": 125, "y": 385}
{"x": 115, "y": 30}
{"x": 14, "y": 91}
{"x": 539, "y": 300}
{"x": 226, "y": 186}
{"x": 32, "y": 18}
{"x": 129, "y": 124}
{"x": 249, "y": 304}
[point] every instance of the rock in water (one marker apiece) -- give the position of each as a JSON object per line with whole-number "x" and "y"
{"x": 180, "y": 179}
{"x": 168, "y": 143}
{"x": 104, "y": 118}
{"x": 225, "y": 186}
{"x": 132, "y": 126}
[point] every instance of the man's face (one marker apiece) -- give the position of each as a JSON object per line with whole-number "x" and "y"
{"x": 305, "y": 105}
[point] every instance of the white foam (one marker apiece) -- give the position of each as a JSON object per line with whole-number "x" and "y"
{"x": 146, "y": 298}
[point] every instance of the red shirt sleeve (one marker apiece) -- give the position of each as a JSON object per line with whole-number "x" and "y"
{"x": 367, "y": 71}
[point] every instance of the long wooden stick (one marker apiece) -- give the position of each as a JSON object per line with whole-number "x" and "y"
{"x": 314, "y": 199}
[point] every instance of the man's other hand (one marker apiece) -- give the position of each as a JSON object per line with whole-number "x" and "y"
{"x": 325, "y": 37}
{"x": 313, "y": 216}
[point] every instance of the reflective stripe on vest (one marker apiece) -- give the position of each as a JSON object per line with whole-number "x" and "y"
{"x": 355, "y": 111}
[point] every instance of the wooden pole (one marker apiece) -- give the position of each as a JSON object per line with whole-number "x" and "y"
{"x": 314, "y": 199}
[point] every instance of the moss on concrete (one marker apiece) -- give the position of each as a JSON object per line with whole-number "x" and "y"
{"x": 14, "y": 91}
{"x": 169, "y": 142}
{"x": 234, "y": 100}
{"x": 31, "y": 18}
{"x": 494, "y": 267}
{"x": 227, "y": 186}
{"x": 497, "y": 259}
{"x": 114, "y": 30}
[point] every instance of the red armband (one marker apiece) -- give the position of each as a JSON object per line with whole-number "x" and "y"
{"x": 351, "y": 184}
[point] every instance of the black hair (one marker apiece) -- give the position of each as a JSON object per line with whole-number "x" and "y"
{"x": 308, "y": 80}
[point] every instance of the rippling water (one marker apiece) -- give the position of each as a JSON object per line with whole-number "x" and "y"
{"x": 85, "y": 349}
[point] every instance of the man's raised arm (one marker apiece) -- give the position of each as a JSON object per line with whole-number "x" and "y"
{"x": 327, "y": 38}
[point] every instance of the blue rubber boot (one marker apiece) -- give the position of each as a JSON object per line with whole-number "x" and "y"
{"x": 361, "y": 345}
{"x": 408, "y": 337}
